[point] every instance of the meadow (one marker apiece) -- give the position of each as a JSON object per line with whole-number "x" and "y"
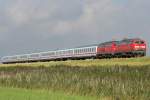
{"x": 24, "y": 94}
{"x": 108, "y": 79}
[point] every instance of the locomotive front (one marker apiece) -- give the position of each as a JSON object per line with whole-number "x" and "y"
{"x": 139, "y": 47}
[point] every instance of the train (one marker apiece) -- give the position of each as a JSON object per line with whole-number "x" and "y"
{"x": 134, "y": 47}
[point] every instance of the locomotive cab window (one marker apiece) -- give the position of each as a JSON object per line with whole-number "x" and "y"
{"x": 126, "y": 42}
{"x": 139, "y": 42}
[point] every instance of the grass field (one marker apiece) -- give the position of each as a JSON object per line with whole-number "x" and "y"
{"x": 114, "y": 79}
{"x": 23, "y": 94}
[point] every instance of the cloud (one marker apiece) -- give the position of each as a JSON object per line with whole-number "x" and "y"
{"x": 38, "y": 25}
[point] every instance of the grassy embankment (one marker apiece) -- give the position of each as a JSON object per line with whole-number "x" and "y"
{"x": 121, "y": 79}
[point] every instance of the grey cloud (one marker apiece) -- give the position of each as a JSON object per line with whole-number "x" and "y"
{"x": 40, "y": 25}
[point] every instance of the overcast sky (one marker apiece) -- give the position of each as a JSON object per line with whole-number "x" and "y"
{"x": 40, "y": 25}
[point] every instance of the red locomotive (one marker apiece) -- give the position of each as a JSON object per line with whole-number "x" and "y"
{"x": 124, "y": 48}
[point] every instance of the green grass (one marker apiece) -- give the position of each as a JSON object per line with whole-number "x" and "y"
{"x": 122, "y": 79}
{"x": 23, "y": 94}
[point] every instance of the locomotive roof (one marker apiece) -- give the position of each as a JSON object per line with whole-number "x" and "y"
{"x": 131, "y": 39}
{"x": 105, "y": 43}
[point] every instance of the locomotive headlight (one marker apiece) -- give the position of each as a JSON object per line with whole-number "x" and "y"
{"x": 143, "y": 47}
{"x": 136, "y": 47}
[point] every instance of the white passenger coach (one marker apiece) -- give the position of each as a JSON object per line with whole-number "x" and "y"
{"x": 76, "y": 53}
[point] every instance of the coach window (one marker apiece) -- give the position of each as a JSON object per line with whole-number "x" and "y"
{"x": 81, "y": 50}
{"x": 85, "y": 50}
{"x": 66, "y": 52}
{"x": 77, "y": 51}
{"x": 69, "y": 52}
{"x": 5, "y": 58}
{"x": 50, "y": 54}
{"x": 53, "y": 53}
{"x": 91, "y": 49}
{"x": 88, "y": 49}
